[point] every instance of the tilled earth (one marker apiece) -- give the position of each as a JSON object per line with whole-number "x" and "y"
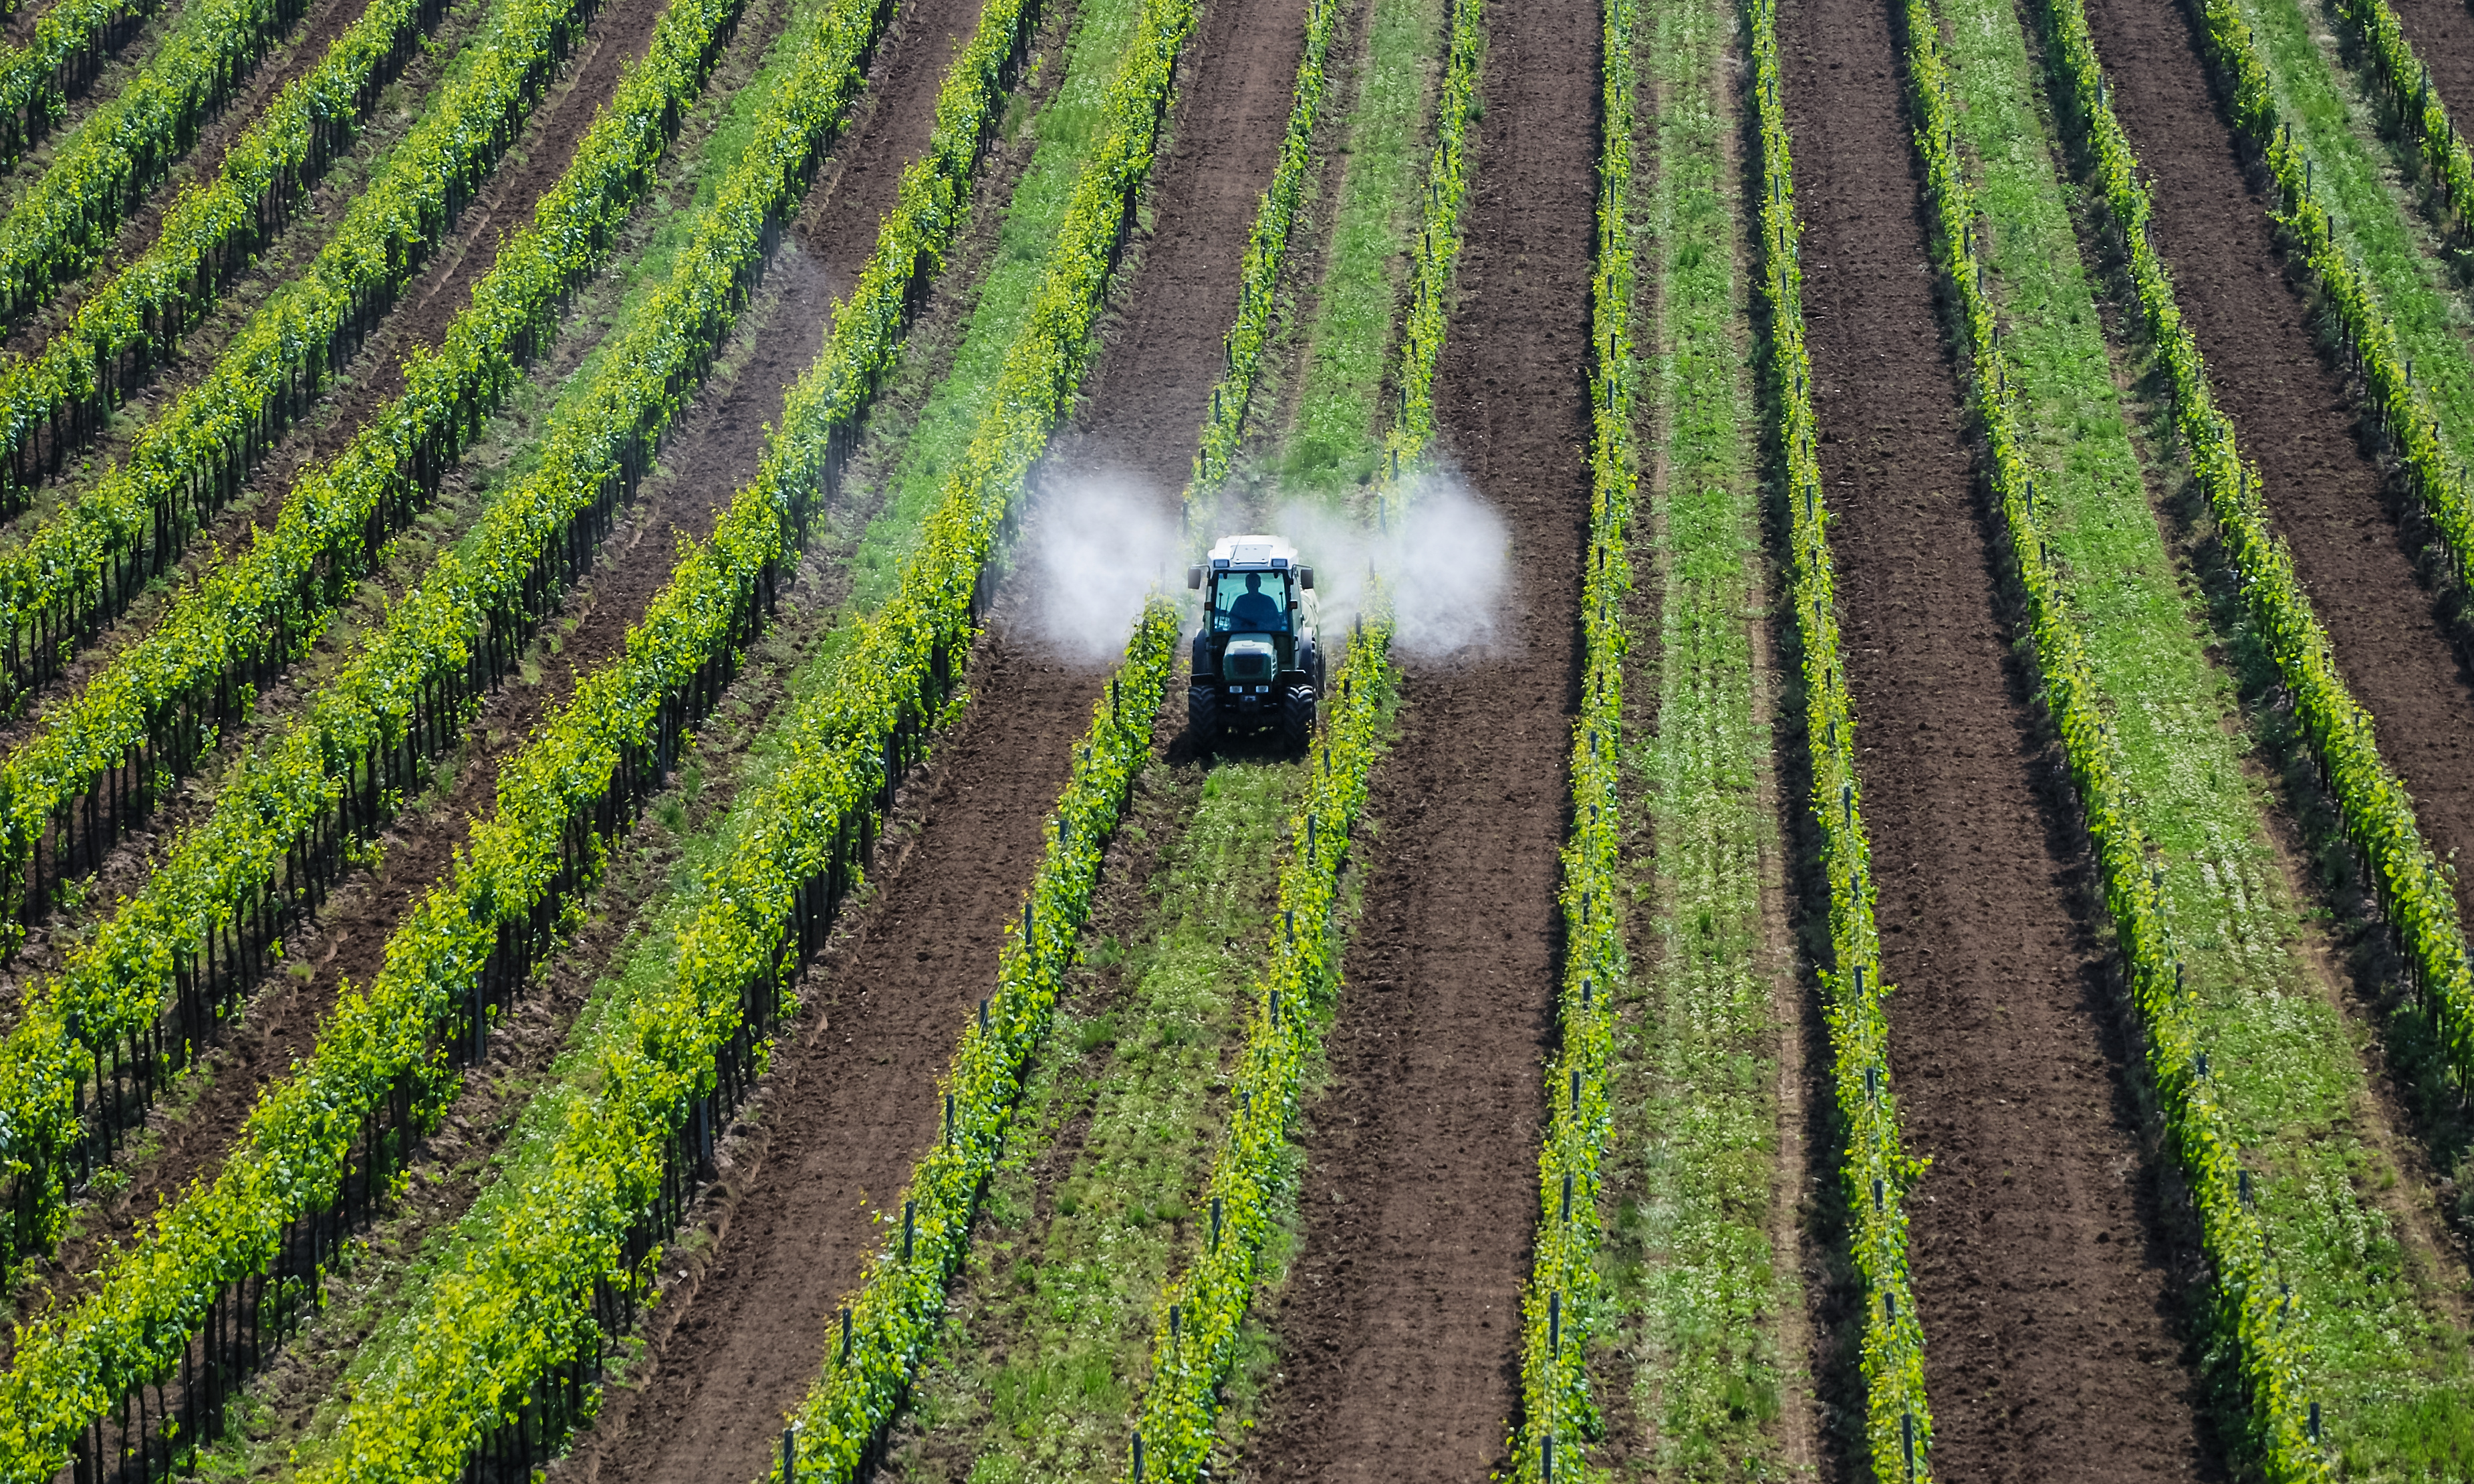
{"x": 2044, "y": 1271}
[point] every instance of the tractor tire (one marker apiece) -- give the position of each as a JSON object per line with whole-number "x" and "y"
{"x": 1298, "y": 716}
{"x": 1202, "y": 718}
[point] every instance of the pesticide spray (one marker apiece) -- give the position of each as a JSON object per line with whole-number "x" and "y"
{"x": 1444, "y": 566}
{"x": 1094, "y": 550}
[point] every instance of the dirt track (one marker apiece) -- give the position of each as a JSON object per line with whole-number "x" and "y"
{"x": 852, "y": 1101}
{"x": 715, "y": 448}
{"x": 2045, "y": 1278}
{"x": 1400, "y": 1327}
{"x": 2293, "y": 415}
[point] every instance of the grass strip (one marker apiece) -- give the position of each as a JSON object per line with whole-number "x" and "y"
{"x": 1196, "y": 1333}
{"x": 134, "y": 1002}
{"x": 1562, "y": 1303}
{"x": 1350, "y": 334}
{"x": 208, "y": 238}
{"x": 551, "y": 1244}
{"x": 1874, "y": 1171}
{"x": 2379, "y": 346}
{"x": 104, "y": 168}
{"x": 2321, "y": 1323}
{"x": 1691, "y": 1282}
{"x": 1034, "y": 1381}
{"x": 82, "y": 564}
{"x": 1267, "y": 248}
{"x": 383, "y": 1059}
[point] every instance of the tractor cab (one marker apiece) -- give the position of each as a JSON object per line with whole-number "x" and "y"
{"x": 1256, "y": 662}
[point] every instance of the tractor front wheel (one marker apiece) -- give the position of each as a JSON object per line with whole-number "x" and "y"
{"x": 1203, "y": 716}
{"x": 1298, "y": 716}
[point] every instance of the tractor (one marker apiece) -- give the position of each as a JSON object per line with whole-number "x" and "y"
{"x": 1256, "y": 662}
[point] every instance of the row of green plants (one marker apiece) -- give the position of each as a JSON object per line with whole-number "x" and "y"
{"x": 72, "y": 41}
{"x": 1875, "y": 1173}
{"x": 1197, "y": 1329}
{"x": 1436, "y": 248}
{"x": 1562, "y": 1304}
{"x": 84, "y": 563}
{"x": 2416, "y": 897}
{"x": 1267, "y": 248}
{"x": 2253, "y": 1307}
{"x": 64, "y": 221}
{"x": 562, "y": 801}
{"x": 144, "y": 958}
{"x": 56, "y": 400}
{"x": 522, "y": 1311}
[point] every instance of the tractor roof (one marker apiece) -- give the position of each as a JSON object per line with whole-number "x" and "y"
{"x": 1255, "y": 553}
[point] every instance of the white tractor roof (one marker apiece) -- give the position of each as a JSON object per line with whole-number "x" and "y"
{"x": 1257, "y": 551}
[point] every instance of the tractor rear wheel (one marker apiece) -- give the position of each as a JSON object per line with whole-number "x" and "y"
{"x": 1203, "y": 716}
{"x": 1298, "y": 716}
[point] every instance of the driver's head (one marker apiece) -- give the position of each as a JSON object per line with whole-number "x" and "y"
{"x": 1254, "y": 582}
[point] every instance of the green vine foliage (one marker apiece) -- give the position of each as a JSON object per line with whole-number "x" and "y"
{"x": 527, "y": 1307}
{"x": 143, "y": 962}
{"x": 69, "y": 46}
{"x": 2416, "y": 898}
{"x": 57, "y": 400}
{"x": 82, "y": 566}
{"x": 1196, "y": 1331}
{"x": 894, "y": 1315}
{"x": 2405, "y": 79}
{"x": 1876, "y": 1174}
{"x": 2252, "y": 1305}
{"x": 561, "y": 802}
{"x": 102, "y": 169}
{"x": 1560, "y": 1304}
{"x": 1223, "y": 432}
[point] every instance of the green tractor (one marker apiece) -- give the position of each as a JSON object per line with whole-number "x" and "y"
{"x": 1258, "y": 665}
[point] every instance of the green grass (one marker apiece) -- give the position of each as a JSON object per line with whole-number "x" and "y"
{"x": 2352, "y": 177}
{"x": 1695, "y": 1283}
{"x": 1032, "y": 1383}
{"x": 1330, "y": 450}
{"x": 2386, "y": 1365}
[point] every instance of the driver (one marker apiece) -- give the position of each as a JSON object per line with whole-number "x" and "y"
{"x": 1254, "y": 609}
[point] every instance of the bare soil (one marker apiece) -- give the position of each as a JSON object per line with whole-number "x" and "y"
{"x": 2442, "y": 35}
{"x": 850, "y": 1103}
{"x": 1399, "y": 1332}
{"x": 2047, "y": 1269}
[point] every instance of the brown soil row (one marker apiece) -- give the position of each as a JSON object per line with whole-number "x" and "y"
{"x": 2046, "y": 1274}
{"x": 713, "y": 451}
{"x": 303, "y": 50}
{"x": 2442, "y": 35}
{"x": 2294, "y": 413}
{"x": 1399, "y": 1332}
{"x": 851, "y": 1100}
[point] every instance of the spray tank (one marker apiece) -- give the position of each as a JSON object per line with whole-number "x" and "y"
{"x": 1257, "y": 657}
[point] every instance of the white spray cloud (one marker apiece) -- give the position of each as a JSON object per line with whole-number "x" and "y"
{"x": 1444, "y": 566}
{"x": 1094, "y": 548}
